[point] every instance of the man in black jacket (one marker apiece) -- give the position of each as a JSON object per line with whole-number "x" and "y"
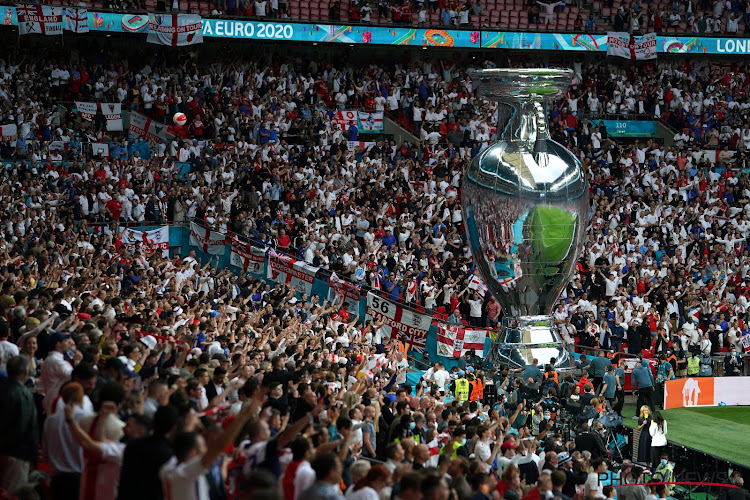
{"x": 216, "y": 386}
{"x": 143, "y": 458}
{"x": 18, "y": 426}
{"x": 591, "y": 441}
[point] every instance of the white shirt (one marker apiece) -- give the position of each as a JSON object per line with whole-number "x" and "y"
{"x": 441, "y": 377}
{"x": 482, "y": 451}
{"x": 184, "y": 481}
{"x": 304, "y": 477}
{"x": 593, "y": 484}
{"x": 62, "y": 451}
{"x": 365, "y": 493}
{"x": 55, "y": 372}
{"x": 475, "y": 308}
{"x": 10, "y": 350}
{"x": 658, "y": 437}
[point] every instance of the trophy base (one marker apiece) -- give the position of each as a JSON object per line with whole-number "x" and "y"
{"x": 522, "y": 339}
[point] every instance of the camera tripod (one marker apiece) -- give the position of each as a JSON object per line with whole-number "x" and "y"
{"x": 610, "y": 441}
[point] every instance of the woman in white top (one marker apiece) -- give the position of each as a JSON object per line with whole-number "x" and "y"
{"x": 658, "y": 431}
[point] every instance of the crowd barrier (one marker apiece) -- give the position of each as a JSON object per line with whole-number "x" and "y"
{"x": 419, "y": 328}
{"x": 706, "y": 391}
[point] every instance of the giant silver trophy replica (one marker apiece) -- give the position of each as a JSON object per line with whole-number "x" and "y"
{"x": 525, "y": 203}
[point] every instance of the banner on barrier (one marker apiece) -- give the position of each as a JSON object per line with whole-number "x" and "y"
{"x": 112, "y": 112}
{"x": 706, "y": 391}
{"x": 9, "y": 130}
{"x": 291, "y": 272}
{"x": 348, "y": 291}
{"x": 401, "y": 324}
{"x": 176, "y": 30}
{"x": 365, "y": 122}
{"x": 40, "y": 20}
{"x": 143, "y": 126}
{"x": 147, "y": 241}
{"x": 248, "y": 257}
{"x": 635, "y": 48}
{"x": 454, "y": 341}
{"x": 210, "y": 241}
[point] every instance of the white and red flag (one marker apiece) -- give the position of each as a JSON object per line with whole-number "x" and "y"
{"x": 148, "y": 241}
{"x": 111, "y": 111}
{"x": 40, "y": 20}
{"x": 294, "y": 273}
{"x": 176, "y": 30}
{"x": 453, "y": 341}
{"x": 403, "y": 324}
{"x": 77, "y": 20}
{"x": 143, "y": 126}
{"x": 212, "y": 242}
{"x": 248, "y": 257}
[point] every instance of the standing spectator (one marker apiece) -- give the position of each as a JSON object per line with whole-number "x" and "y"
{"x": 732, "y": 363}
{"x": 548, "y": 10}
{"x": 643, "y": 382}
{"x": 184, "y": 475}
{"x": 19, "y": 433}
{"x": 56, "y": 369}
{"x": 327, "y": 467}
{"x": 62, "y": 451}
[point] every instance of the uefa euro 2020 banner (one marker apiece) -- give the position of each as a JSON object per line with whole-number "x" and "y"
{"x": 354, "y": 35}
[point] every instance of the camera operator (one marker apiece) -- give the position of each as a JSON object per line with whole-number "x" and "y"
{"x": 592, "y": 441}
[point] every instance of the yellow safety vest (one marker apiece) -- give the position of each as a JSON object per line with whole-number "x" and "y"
{"x": 462, "y": 389}
{"x": 456, "y": 446}
{"x": 693, "y": 365}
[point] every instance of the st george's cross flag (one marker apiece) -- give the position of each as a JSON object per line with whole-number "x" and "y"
{"x": 40, "y": 20}
{"x": 212, "y": 242}
{"x": 77, "y": 20}
{"x": 453, "y": 341}
{"x": 143, "y": 126}
{"x": 176, "y": 30}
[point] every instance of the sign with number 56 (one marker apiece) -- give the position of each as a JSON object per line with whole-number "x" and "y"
{"x": 402, "y": 324}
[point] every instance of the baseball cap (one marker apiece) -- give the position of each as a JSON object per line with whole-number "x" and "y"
{"x": 508, "y": 445}
{"x": 58, "y": 337}
{"x": 513, "y": 431}
{"x": 461, "y": 373}
{"x": 563, "y": 458}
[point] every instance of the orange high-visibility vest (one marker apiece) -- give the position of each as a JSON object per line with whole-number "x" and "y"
{"x": 477, "y": 390}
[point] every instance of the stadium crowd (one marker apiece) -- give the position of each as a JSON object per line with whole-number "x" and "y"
{"x": 142, "y": 376}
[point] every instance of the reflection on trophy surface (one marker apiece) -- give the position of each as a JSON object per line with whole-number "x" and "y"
{"x": 525, "y": 203}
